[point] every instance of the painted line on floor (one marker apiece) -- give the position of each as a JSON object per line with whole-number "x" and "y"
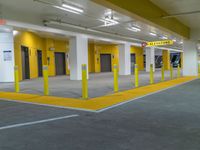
{"x": 122, "y": 103}
{"x": 37, "y": 122}
{"x": 48, "y": 105}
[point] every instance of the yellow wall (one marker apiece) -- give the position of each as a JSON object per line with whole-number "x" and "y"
{"x": 34, "y": 43}
{"x": 97, "y": 50}
{"x": 166, "y": 59}
{"x": 139, "y": 54}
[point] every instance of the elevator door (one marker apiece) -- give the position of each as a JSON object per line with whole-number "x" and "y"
{"x": 105, "y": 62}
{"x": 132, "y": 63}
{"x": 60, "y": 63}
{"x": 39, "y": 58}
{"x": 25, "y": 63}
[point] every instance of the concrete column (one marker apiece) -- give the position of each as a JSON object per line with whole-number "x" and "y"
{"x": 125, "y": 59}
{"x": 166, "y": 59}
{"x": 190, "y": 58}
{"x": 6, "y": 54}
{"x": 78, "y": 55}
{"x": 150, "y": 58}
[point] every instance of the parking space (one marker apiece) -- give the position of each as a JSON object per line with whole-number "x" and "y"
{"x": 167, "y": 120}
{"x": 98, "y": 84}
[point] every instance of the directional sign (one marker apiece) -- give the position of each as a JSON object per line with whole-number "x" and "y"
{"x": 157, "y": 43}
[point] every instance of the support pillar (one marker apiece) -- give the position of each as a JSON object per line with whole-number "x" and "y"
{"x": 166, "y": 59}
{"x": 6, "y": 54}
{"x": 190, "y": 58}
{"x": 78, "y": 55}
{"x": 150, "y": 58}
{"x": 125, "y": 59}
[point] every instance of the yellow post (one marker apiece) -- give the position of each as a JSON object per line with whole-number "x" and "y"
{"x": 151, "y": 74}
{"x": 171, "y": 72}
{"x": 136, "y": 76}
{"x": 84, "y": 82}
{"x": 178, "y": 71}
{"x": 163, "y": 73}
{"x": 17, "y": 88}
{"x": 115, "y": 72}
{"x": 46, "y": 80}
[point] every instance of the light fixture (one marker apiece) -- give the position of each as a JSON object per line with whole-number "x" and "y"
{"x": 174, "y": 40}
{"x": 181, "y": 42}
{"x": 134, "y": 29}
{"x": 153, "y": 34}
{"x": 72, "y": 8}
{"x": 109, "y": 21}
{"x": 15, "y": 32}
{"x": 164, "y": 38}
{"x": 65, "y": 9}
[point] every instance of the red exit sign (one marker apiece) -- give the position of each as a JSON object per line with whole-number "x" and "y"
{"x": 2, "y": 21}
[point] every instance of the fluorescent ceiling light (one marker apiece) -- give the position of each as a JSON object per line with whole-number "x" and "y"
{"x": 109, "y": 21}
{"x": 153, "y": 34}
{"x": 164, "y": 38}
{"x": 134, "y": 29}
{"x": 65, "y": 9}
{"x": 181, "y": 42}
{"x": 73, "y": 8}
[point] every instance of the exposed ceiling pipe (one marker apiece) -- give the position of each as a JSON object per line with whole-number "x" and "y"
{"x": 62, "y": 23}
{"x": 181, "y": 14}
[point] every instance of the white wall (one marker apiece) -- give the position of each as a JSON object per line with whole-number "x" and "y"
{"x": 6, "y": 64}
{"x": 190, "y": 58}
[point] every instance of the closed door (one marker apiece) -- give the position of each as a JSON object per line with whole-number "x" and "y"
{"x": 25, "y": 63}
{"x": 39, "y": 58}
{"x": 60, "y": 63}
{"x": 132, "y": 63}
{"x": 105, "y": 62}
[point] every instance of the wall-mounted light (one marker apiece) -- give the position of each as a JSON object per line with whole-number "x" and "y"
{"x": 15, "y": 32}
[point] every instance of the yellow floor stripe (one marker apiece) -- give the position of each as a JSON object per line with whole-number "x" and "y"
{"x": 95, "y": 103}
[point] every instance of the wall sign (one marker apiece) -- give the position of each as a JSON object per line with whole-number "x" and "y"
{"x": 157, "y": 43}
{"x": 7, "y": 55}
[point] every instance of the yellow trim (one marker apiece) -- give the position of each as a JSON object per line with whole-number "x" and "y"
{"x": 95, "y": 103}
{"x": 148, "y": 12}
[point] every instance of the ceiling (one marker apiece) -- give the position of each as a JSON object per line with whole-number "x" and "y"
{"x": 182, "y": 6}
{"x": 35, "y": 12}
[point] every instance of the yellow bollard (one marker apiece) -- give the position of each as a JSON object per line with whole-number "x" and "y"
{"x": 46, "y": 80}
{"x": 163, "y": 73}
{"x": 115, "y": 72}
{"x": 136, "y": 76}
{"x": 17, "y": 87}
{"x": 171, "y": 72}
{"x": 178, "y": 71}
{"x": 151, "y": 74}
{"x": 84, "y": 82}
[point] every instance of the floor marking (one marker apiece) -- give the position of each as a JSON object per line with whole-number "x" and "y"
{"x": 122, "y": 103}
{"x": 37, "y": 122}
{"x": 47, "y": 105}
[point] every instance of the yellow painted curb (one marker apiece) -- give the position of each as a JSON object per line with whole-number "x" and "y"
{"x": 94, "y": 103}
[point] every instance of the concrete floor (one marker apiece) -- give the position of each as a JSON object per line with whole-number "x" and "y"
{"x": 168, "y": 120}
{"x": 99, "y": 84}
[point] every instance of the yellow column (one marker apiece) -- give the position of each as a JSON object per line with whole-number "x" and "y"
{"x": 115, "y": 73}
{"x": 151, "y": 74}
{"x": 46, "y": 80}
{"x": 162, "y": 73}
{"x": 166, "y": 59}
{"x": 181, "y": 60}
{"x": 178, "y": 71}
{"x": 17, "y": 87}
{"x": 84, "y": 82}
{"x": 171, "y": 72}
{"x": 136, "y": 76}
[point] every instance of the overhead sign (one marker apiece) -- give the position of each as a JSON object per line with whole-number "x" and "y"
{"x": 2, "y": 21}
{"x": 157, "y": 43}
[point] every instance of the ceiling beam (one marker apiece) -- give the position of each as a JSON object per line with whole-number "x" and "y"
{"x": 148, "y": 12}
